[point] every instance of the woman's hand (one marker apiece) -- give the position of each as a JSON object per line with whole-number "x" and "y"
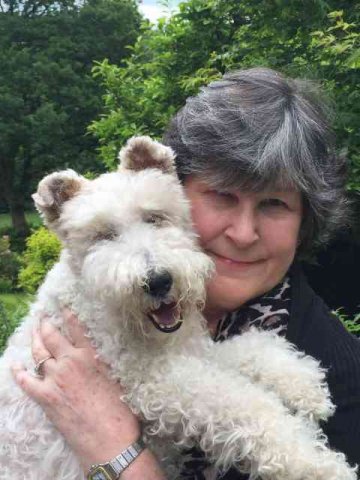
{"x": 77, "y": 395}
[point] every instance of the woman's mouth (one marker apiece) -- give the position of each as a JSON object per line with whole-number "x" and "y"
{"x": 235, "y": 262}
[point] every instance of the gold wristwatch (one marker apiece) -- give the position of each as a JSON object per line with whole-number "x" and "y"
{"x": 114, "y": 468}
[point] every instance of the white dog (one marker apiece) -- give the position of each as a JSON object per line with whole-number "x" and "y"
{"x": 132, "y": 271}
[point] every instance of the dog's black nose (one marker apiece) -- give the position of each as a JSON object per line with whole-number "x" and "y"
{"x": 158, "y": 283}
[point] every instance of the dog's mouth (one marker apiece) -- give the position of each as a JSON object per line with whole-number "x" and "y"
{"x": 167, "y": 317}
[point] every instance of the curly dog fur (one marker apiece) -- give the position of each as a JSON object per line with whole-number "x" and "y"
{"x": 133, "y": 272}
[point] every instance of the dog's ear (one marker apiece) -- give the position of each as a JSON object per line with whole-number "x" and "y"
{"x": 140, "y": 153}
{"x": 56, "y": 189}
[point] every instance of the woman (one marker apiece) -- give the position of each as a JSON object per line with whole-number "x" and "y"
{"x": 255, "y": 156}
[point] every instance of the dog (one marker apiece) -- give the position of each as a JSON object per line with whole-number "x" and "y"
{"x": 132, "y": 270}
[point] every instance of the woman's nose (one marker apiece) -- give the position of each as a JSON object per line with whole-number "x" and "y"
{"x": 242, "y": 228}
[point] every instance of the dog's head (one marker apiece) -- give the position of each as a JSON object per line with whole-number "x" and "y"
{"x": 128, "y": 236}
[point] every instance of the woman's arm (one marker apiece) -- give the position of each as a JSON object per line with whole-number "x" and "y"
{"x": 82, "y": 402}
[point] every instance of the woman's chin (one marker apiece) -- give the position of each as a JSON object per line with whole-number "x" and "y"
{"x": 226, "y": 294}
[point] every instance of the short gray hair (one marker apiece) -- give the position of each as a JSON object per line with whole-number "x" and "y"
{"x": 256, "y": 128}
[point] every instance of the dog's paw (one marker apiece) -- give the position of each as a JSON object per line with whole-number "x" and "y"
{"x": 268, "y": 359}
{"x": 140, "y": 153}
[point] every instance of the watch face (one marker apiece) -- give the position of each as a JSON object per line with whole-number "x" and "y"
{"x": 99, "y": 473}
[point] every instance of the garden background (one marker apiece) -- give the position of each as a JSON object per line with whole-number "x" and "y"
{"x": 77, "y": 78}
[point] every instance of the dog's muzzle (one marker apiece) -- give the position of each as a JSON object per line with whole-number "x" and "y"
{"x": 167, "y": 316}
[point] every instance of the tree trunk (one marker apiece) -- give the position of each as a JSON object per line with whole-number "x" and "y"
{"x": 17, "y": 212}
{"x": 13, "y": 198}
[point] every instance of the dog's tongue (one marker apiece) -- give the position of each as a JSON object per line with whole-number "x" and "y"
{"x": 167, "y": 317}
{"x": 166, "y": 314}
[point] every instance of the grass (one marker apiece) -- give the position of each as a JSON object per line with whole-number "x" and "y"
{"x": 32, "y": 218}
{"x": 15, "y": 301}
{"x": 13, "y": 307}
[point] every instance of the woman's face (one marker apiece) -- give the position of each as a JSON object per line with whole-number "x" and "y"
{"x": 251, "y": 236}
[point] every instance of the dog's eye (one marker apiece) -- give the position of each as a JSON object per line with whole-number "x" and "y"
{"x": 105, "y": 235}
{"x": 155, "y": 218}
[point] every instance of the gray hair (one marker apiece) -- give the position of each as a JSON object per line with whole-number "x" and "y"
{"x": 256, "y": 128}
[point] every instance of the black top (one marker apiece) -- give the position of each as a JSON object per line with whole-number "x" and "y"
{"x": 319, "y": 333}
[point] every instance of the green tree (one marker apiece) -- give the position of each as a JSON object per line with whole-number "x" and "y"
{"x": 336, "y": 55}
{"x": 47, "y": 94}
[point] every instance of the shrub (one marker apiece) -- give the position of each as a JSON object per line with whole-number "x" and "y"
{"x": 351, "y": 324}
{"x": 8, "y": 322}
{"x": 9, "y": 266}
{"x": 18, "y": 241}
{"x": 42, "y": 251}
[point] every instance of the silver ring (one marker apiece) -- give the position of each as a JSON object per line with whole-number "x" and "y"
{"x": 38, "y": 367}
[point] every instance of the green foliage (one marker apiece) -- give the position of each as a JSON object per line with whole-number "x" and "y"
{"x": 9, "y": 266}
{"x": 17, "y": 241}
{"x": 42, "y": 251}
{"x": 7, "y": 326}
{"x": 32, "y": 218}
{"x": 351, "y": 324}
{"x": 314, "y": 39}
{"x": 336, "y": 53}
{"x": 47, "y": 94}
{"x": 12, "y": 309}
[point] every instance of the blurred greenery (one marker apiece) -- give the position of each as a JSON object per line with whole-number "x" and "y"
{"x": 13, "y": 307}
{"x": 351, "y": 324}
{"x": 9, "y": 266}
{"x": 42, "y": 251}
{"x": 32, "y": 218}
{"x": 306, "y": 38}
{"x": 47, "y": 94}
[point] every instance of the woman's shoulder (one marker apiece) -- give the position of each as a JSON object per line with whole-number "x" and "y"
{"x": 312, "y": 324}
{"x": 314, "y": 329}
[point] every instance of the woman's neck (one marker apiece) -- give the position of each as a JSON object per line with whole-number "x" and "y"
{"x": 213, "y": 316}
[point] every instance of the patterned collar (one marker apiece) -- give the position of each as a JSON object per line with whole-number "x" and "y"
{"x": 268, "y": 312}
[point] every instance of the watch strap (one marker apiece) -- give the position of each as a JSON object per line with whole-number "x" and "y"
{"x": 113, "y": 469}
{"x": 127, "y": 456}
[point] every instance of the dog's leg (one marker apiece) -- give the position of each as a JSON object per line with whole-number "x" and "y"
{"x": 30, "y": 447}
{"x": 235, "y": 423}
{"x": 269, "y": 359}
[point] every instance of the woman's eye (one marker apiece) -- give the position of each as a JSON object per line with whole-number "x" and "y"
{"x": 273, "y": 202}
{"x": 226, "y": 196}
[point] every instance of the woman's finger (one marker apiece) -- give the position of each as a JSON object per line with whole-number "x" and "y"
{"x": 32, "y": 385}
{"x": 79, "y": 336}
{"x": 38, "y": 349}
{"x": 41, "y": 355}
{"x": 76, "y": 331}
{"x": 56, "y": 344}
